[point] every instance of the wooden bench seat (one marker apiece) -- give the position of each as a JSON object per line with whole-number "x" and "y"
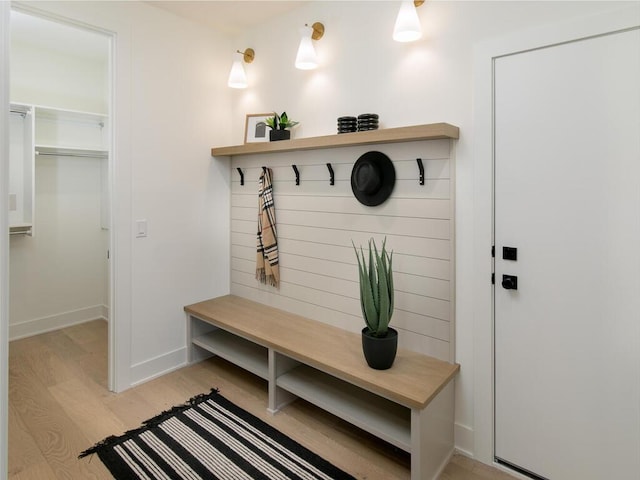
{"x": 410, "y": 405}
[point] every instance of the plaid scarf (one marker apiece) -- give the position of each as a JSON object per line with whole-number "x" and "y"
{"x": 267, "y": 252}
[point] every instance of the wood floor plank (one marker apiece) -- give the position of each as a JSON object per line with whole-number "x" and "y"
{"x": 62, "y": 344}
{"x": 59, "y": 405}
{"x": 24, "y": 345}
{"x": 131, "y": 408}
{"x": 48, "y": 367}
{"x": 56, "y": 435}
{"x": 36, "y": 471}
{"x": 86, "y": 409}
{"x": 88, "y": 332}
{"x": 23, "y": 451}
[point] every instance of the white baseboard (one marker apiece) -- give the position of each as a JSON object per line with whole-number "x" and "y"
{"x": 156, "y": 367}
{"x": 37, "y": 326}
{"x": 463, "y": 436}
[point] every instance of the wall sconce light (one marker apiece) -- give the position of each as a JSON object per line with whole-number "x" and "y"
{"x": 237, "y": 76}
{"x": 407, "y": 28}
{"x": 306, "y": 59}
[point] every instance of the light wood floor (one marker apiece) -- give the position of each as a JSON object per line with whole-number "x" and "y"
{"x": 59, "y": 405}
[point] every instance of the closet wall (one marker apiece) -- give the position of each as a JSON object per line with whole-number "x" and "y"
{"x": 59, "y": 276}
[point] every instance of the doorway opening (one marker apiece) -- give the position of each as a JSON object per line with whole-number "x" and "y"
{"x": 60, "y": 274}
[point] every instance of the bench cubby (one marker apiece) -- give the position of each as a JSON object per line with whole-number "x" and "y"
{"x": 410, "y": 405}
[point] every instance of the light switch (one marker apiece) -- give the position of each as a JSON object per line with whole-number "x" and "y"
{"x": 141, "y": 228}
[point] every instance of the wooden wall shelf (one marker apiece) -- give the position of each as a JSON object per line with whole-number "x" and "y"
{"x": 433, "y": 131}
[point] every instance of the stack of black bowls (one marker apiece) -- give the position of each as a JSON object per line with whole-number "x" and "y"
{"x": 367, "y": 121}
{"x": 347, "y": 124}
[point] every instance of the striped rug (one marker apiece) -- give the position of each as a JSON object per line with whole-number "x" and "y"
{"x": 210, "y": 438}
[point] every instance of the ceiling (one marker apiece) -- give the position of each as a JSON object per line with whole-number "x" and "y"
{"x": 231, "y": 16}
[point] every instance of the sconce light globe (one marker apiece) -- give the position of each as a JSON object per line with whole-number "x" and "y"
{"x": 306, "y": 59}
{"x": 407, "y": 27}
{"x": 237, "y": 76}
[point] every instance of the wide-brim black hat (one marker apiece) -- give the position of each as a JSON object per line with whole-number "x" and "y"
{"x": 372, "y": 178}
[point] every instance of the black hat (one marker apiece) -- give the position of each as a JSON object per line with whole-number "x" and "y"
{"x": 372, "y": 178}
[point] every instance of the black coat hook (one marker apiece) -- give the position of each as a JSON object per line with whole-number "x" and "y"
{"x": 241, "y": 176}
{"x": 295, "y": 169}
{"x": 421, "y": 168}
{"x": 331, "y": 175}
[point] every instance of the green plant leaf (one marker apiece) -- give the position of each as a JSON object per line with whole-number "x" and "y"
{"x": 373, "y": 282}
{"x": 366, "y": 295}
{"x": 376, "y": 287}
{"x": 272, "y": 122}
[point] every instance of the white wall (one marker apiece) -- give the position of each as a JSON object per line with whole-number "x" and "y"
{"x": 171, "y": 106}
{"x": 317, "y": 224}
{"x": 52, "y": 78}
{"x": 57, "y": 277}
{"x": 363, "y": 70}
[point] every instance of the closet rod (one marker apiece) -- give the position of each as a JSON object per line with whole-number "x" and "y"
{"x": 69, "y": 154}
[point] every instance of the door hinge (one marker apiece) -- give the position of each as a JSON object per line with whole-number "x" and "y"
{"x": 493, "y": 251}
{"x": 493, "y": 279}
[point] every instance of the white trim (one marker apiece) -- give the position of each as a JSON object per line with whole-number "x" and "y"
{"x": 5, "y": 11}
{"x": 156, "y": 367}
{"x": 112, "y": 371}
{"x": 463, "y": 435}
{"x": 121, "y": 182}
{"x": 484, "y": 56}
{"x": 50, "y": 323}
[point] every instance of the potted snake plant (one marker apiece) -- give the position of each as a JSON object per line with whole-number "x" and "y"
{"x": 379, "y": 341}
{"x": 279, "y": 125}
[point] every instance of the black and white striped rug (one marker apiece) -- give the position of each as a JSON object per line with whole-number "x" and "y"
{"x": 210, "y": 438}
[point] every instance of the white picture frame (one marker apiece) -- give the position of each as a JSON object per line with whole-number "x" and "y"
{"x": 255, "y": 129}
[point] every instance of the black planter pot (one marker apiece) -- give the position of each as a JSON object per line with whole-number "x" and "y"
{"x": 380, "y": 352}
{"x": 275, "y": 135}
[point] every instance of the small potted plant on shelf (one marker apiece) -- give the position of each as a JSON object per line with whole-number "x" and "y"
{"x": 379, "y": 341}
{"x": 279, "y": 125}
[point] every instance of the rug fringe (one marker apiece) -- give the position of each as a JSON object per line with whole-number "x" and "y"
{"x": 107, "y": 442}
{"x": 151, "y": 422}
{"x": 193, "y": 401}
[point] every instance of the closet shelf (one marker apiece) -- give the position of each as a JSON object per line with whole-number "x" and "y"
{"x": 433, "y": 131}
{"x": 69, "y": 115}
{"x": 21, "y": 229}
{"x": 53, "y": 150}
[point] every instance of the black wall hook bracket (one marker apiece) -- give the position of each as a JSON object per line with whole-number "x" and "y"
{"x": 421, "y": 168}
{"x": 331, "y": 175}
{"x": 295, "y": 169}
{"x": 241, "y": 175}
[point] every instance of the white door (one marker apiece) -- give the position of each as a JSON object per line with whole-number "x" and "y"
{"x": 567, "y": 197}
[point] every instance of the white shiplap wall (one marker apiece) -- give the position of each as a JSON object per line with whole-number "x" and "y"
{"x": 317, "y": 222}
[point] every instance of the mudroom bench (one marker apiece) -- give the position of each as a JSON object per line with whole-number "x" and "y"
{"x": 410, "y": 405}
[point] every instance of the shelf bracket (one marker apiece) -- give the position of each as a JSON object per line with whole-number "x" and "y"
{"x": 331, "y": 175}
{"x": 241, "y": 176}
{"x": 421, "y": 168}
{"x": 295, "y": 169}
